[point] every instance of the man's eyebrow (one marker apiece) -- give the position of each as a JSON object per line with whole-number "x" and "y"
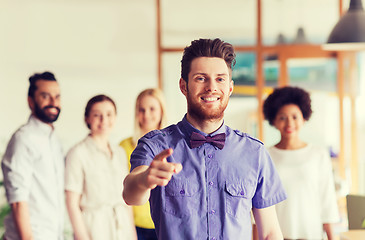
{"x": 49, "y": 94}
{"x": 205, "y": 74}
{"x": 200, "y": 73}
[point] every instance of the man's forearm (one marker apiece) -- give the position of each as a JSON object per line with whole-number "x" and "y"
{"x": 138, "y": 184}
{"x": 22, "y": 219}
{"x": 134, "y": 193}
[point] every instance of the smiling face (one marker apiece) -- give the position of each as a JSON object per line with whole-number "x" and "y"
{"x": 46, "y": 103}
{"x": 149, "y": 113}
{"x": 289, "y": 120}
{"x": 208, "y": 88}
{"x": 101, "y": 118}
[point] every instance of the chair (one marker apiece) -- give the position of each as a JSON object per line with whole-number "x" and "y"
{"x": 356, "y": 211}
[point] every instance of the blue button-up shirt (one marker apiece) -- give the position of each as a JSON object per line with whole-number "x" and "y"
{"x": 212, "y": 196}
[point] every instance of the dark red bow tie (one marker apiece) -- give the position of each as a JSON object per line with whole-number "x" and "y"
{"x": 196, "y": 140}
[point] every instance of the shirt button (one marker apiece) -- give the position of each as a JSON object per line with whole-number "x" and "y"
{"x": 211, "y": 183}
{"x": 210, "y": 155}
{"x": 242, "y": 193}
{"x": 212, "y": 211}
{"x": 213, "y": 238}
{"x": 182, "y": 191}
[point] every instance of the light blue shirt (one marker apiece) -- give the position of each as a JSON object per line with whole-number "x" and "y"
{"x": 33, "y": 169}
{"x": 211, "y": 198}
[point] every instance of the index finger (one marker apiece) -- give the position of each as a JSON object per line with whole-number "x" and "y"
{"x": 163, "y": 155}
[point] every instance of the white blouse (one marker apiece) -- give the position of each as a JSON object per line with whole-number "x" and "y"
{"x": 307, "y": 177}
{"x": 99, "y": 179}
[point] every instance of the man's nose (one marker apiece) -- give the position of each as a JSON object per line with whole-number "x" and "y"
{"x": 54, "y": 101}
{"x": 211, "y": 86}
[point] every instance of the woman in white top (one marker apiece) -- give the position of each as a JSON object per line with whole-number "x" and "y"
{"x": 305, "y": 170}
{"x": 95, "y": 171}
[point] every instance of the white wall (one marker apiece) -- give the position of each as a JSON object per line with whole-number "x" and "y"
{"x": 91, "y": 46}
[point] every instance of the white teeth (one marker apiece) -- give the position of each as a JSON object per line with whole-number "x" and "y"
{"x": 210, "y": 99}
{"x": 53, "y": 110}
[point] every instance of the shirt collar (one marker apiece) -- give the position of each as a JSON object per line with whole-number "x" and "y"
{"x": 43, "y": 127}
{"x": 89, "y": 140}
{"x": 188, "y": 129}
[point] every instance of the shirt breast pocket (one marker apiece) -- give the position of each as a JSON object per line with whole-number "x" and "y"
{"x": 239, "y": 198}
{"x": 181, "y": 197}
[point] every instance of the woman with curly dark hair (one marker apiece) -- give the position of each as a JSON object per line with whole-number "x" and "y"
{"x": 305, "y": 169}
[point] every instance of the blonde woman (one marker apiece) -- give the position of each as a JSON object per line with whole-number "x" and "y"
{"x": 95, "y": 171}
{"x": 149, "y": 115}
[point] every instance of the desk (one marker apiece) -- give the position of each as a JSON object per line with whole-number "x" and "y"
{"x": 353, "y": 235}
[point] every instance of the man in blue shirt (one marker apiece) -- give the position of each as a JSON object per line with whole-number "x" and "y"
{"x": 203, "y": 178}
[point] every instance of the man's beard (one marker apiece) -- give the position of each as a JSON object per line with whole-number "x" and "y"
{"x": 203, "y": 114}
{"x": 41, "y": 114}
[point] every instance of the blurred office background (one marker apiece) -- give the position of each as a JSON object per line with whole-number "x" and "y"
{"x": 120, "y": 47}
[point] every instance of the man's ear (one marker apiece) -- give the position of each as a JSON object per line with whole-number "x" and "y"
{"x": 31, "y": 103}
{"x": 183, "y": 86}
{"x": 87, "y": 122}
{"x": 231, "y": 84}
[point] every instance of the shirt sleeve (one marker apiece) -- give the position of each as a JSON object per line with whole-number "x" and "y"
{"x": 17, "y": 166}
{"x": 270, "y": 190}
{"x": 143, "y": 154}
{"x": 74, "y": 174}
{"x": 329, "y": 207}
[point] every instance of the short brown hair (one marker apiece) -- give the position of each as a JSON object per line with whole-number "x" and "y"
{"x": 207, "y": 48}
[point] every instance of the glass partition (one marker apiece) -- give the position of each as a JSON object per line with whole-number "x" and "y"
{"x": 313, "y": 73}
{"x": 244, "y": 74}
